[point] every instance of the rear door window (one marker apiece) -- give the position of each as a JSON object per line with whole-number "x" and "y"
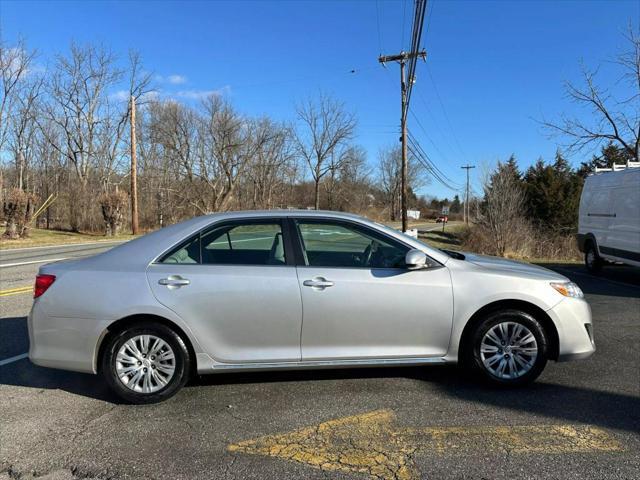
{"x": 250, "y": 243}
{"x": 244, "y": 244}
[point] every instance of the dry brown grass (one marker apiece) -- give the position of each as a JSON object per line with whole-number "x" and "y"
{"x": 524, "y": 243}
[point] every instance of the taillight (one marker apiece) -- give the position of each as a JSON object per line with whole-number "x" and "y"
{"x": 43, "y": 282}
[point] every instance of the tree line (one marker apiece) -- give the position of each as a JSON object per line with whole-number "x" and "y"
{"x": 534, "y": 212}
{"x": 65, "y": 135}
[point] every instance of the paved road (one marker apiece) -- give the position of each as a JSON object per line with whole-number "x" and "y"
{"x": 579, "y": 420}
{"x": 18, "y": 267}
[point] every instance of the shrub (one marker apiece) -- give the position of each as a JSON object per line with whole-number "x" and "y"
{"x": 113, "y": 205}
{"x": 18, "y": 209}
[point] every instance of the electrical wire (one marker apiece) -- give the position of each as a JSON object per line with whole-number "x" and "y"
{"x": 378, "y": 24}
{"x": 418, "y": 22}
{"x": 424, "y": 131}
{"x": 426, "y": 156}
{"x": 418, "y": 152}
{"x": 444, "y": 111}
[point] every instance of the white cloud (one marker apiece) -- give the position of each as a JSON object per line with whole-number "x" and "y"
{"x": 200, "y": 94}
{"x": 120, "y": 95}
{"x": 152, "y": 95}
{"x": 176, "y": 79}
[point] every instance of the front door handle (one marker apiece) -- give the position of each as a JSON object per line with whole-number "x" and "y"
{"x": 175, "y": 281}
{"x": 318, "y": 282}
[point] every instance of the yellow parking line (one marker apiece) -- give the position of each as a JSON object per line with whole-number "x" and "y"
{"x": 16, "y": 291}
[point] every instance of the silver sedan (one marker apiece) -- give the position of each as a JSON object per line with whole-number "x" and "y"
{"x": 297, "y": 289}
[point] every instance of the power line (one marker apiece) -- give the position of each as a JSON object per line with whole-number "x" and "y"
{"x": 444, "y": 110}
{"x": 418, "y": 22}
{"x": 424, "y": 159}
{"x": 411, "y": 59}
{"x": 440, "y": 172}
{"x": 404, "y": 16}
{"x": 378, "y": 23}
{"x": 428, "y": 167}
{"x": 417, "y": 119}
{"x": 429, "y": 16}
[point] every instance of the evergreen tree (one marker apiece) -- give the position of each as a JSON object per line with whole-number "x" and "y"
{"x": 553, "y": 194}
{"x": 456, "y": 205}
{"x": 609, "y": 155}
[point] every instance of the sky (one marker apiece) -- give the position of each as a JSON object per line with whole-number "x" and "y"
{"x": 494, "y": 69}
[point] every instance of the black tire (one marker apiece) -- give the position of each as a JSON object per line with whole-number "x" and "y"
{"x": 592, "y": 259}
{"x": 517, "y": 317}
{"x": 180, "y": 351}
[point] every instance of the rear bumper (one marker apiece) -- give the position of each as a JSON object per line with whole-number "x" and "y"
{"x": 65, "y": 343}
{"x": 572, "y": 318}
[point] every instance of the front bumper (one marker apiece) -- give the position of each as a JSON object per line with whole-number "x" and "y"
{"x": 572, "y": 318}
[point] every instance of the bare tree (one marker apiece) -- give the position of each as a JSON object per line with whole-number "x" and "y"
{"x": 347, "y": 171}
{"x": 326, "y": 125}
{"x": 270, "y": 165}
{"x": 23, "y": 126}
{"x": 230, "y": 142}
{"x": 614, "y": 119}
{"x": 390, "y": 177}
{"x": 79, "y": 104}
{"x": 15, "y": 63}
{"x": 503, "y": 208}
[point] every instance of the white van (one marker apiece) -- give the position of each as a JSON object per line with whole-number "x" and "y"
{"x": 609, "y": 222}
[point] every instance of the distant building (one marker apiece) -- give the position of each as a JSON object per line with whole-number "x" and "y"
{"x": 415, "y": 214}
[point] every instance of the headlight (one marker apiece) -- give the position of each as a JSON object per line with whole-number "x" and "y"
{"x": 568, "y": 289}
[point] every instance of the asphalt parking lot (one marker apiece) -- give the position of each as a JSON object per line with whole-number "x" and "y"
{"x": 579, "y": 420}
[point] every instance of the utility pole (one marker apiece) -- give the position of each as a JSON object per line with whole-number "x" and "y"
{"x": 134, "y": 170}
{"x": 466, "y": 197}
{"x": 402, "y": 58}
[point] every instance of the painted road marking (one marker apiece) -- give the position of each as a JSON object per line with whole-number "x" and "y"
{"x": 7, "y": 361}
{"x": 16, "y": 291}
{"x": 63, "y": 245}
{"x": 5, "y": 265}
{"x": 372, "y": 444}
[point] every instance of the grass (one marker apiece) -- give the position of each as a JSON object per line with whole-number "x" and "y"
{"x": 41, "y": 238}
{"x": 449, "y": 239}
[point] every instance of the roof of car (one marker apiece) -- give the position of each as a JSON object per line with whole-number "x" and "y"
{"x": 284, "y": 213}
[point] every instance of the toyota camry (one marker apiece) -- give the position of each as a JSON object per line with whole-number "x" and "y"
{"x": 297, "y": 289}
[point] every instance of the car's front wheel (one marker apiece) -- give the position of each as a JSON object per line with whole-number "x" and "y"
{"x": 145, "y": 363}
{"x": 510, "y": 347}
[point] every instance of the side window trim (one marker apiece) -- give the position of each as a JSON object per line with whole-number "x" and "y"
{"x": 302, "y": 259}
{"x": 284, "y": 227}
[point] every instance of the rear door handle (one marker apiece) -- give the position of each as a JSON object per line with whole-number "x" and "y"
{"x": 174, "y": 281}
{"x": 318, "y": 282}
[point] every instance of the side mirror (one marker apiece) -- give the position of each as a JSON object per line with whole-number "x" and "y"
{"x": 415, "y": 259}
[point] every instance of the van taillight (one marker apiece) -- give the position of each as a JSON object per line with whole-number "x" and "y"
{"x": 43, "y": 282}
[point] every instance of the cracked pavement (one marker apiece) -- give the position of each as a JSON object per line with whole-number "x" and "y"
{"x": 61, "y": 425}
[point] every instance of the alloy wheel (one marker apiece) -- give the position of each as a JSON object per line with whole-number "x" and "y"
{"x": 508, "y": 350}
{"x": 145, "y": 364}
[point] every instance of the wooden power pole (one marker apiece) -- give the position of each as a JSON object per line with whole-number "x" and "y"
{"x": 134, "y": 170}
{"x": 402, "y": 58}
{"x": 466, "y": 197}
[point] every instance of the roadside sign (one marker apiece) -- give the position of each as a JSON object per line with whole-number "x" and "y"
{"x": 445, "y": 210}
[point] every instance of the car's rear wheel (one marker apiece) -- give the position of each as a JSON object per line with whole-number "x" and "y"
{"x": 510, "y": 347}
{"x": 592, "y": 260}
{"x": 145, "y": 363}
